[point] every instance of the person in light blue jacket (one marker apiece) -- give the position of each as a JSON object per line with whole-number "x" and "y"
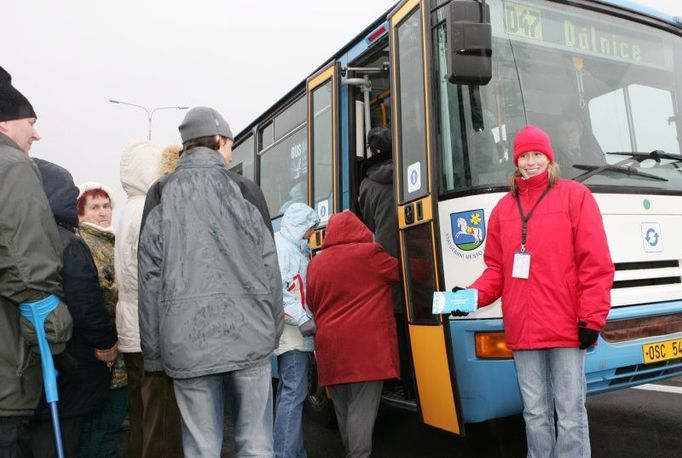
{"x": 296, "y": 342}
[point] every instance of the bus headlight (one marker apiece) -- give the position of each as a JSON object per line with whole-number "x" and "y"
{"x": 491, "y": 345}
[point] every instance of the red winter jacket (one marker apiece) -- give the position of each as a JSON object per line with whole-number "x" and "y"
{"x": 349, "y": 293}
{"x": 571, "y": 272}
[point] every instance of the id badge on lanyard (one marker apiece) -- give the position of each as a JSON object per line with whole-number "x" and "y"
{"x": 521, "y": 266}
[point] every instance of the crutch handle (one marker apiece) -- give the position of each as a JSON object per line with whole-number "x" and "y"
{"x": 36, "y": 312}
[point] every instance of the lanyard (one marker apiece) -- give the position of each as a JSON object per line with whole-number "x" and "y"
{"x": 525, "y": 218}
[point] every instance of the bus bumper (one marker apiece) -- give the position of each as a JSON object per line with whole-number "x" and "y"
{"x": 488, "y": 388}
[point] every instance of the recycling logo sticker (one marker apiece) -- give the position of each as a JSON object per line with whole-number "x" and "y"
{"x": 652, "y": 238}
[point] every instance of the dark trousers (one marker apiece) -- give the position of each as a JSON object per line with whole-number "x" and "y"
{"x": 160, "y": 417}
{"x": 42, "y": 437}
{"x": 133, "y": 362}
{"x": 356, "y": 406}
{"x": 15, "y": 441}
{"x": 99, "y": 438}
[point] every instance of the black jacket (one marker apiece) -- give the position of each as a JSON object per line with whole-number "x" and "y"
{"x": 377, "y": 204}
{"x": 83, "y": 380}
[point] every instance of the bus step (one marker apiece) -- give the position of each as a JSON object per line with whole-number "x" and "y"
{"x": 394, "y": 394}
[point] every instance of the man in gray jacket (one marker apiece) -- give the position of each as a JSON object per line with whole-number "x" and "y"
{"x": 30, "y": 262}
{"x": 210, "y": 298}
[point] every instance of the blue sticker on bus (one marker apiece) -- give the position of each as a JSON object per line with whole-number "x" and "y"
{"x": 468, "y": 229}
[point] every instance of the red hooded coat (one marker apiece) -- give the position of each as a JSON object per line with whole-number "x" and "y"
{"x": 349, "y": 293}
{"x": 571, "y": 272}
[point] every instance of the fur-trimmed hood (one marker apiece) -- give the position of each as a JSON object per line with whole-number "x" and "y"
{"x": 170, "y": 156}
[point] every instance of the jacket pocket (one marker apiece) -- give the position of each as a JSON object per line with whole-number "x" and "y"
{"x": 25, "y": 356}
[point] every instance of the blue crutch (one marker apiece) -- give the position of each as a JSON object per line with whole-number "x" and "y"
{"x": 36, "y": 312}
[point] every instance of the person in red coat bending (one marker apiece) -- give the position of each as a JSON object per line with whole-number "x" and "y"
{"x": 349, "y": 293}
{"x": 547, "y": 256}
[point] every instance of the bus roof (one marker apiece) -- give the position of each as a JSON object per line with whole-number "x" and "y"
{"x": 625, "y": 5}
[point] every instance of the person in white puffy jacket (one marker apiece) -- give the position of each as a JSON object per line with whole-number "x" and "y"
{"x": 296, "y": 342}
{"x": 142, "y": 164}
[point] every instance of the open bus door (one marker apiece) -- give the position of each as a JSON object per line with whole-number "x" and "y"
{"x": 437, "y": 398}
{"x": 323, "y": 119}
{"x": 323, "y": 193}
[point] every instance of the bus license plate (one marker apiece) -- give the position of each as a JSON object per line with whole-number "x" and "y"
{"x": 662, "y": 351}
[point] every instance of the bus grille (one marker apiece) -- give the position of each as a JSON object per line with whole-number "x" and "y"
{"x": 641, "y": 373}
{"x": 640, "y": 328}
{"x": 647, "y": 273}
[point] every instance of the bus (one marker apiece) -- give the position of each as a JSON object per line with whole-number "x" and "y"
{"x": 455, "y": 80}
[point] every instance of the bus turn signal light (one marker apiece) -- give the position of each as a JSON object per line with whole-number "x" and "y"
{"x": 491, "y": 345}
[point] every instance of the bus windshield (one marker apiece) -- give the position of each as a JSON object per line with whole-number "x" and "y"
{"x": 604, "y": 88}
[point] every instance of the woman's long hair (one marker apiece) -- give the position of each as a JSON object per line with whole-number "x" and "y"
{"x": 553, "y": 171}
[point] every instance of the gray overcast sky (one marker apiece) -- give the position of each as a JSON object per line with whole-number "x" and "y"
{"x": 238, "y": 56}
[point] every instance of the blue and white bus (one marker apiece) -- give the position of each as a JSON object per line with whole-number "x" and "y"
{"x": 455, "y": 81}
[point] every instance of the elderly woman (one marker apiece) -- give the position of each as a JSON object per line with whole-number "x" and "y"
{"x": 349, "y": 293}
{"x": 95, "y": 206}
{"x": 547, "y": 257}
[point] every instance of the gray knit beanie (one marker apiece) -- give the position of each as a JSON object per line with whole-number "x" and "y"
{"x": 204, "y": 122}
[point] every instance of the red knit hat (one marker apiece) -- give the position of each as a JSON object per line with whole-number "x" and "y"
{"x": 532, "y": 138}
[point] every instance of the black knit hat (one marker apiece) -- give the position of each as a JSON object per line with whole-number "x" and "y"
{"x": 379, "y": 140}
{"x": 13, "y": 105}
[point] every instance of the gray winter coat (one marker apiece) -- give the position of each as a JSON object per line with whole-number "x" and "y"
{"x": 210, "y": 293}
{"x": 30, "y": 262}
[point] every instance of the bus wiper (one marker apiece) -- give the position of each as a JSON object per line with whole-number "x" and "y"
{"x": 618, "y": 167}
{"x": 656, "y": 155}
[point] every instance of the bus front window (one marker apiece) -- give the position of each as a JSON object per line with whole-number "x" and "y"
{"x": 597, "y": 84}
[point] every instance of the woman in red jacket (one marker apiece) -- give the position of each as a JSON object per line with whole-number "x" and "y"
{"x": 349, "y": 293}
{"x": 547, "y": 256}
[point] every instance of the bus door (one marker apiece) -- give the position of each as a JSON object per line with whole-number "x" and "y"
{"x": 437, "y": 397}
{"x": 323, "y": 119}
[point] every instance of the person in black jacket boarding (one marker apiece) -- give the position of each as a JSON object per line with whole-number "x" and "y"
{"x": 377, "y": 205}
{"x": 210, "y": 297}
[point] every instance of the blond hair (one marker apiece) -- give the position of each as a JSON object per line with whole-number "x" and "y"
{"x": 553, "y": 172}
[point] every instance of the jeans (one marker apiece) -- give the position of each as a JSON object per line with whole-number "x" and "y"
{"x": 291, "y": 392}
{"x": 201, "y": 402}
{"x": 554, "y": 380}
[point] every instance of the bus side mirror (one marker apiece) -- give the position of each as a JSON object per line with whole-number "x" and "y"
{"x": 469, "y": 52}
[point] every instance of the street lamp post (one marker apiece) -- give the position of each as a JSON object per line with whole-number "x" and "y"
{"x": 150, "y": 114}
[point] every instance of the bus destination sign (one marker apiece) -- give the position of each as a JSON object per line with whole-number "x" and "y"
{"x": 583, "y": 34}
